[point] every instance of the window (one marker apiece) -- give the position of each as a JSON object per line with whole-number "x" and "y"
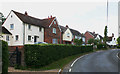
{"x": 29, "y": 38}
{"x": 55, "y": 41}
{"x": 54, "y": 22}
{"x": 16, "y": 37}
{"x": 68, "y": 34}
{"x": 40, "y": 29}
{"x": 54, "y": 30}
{"x": 11, "y": 26}
{"x": 29, "y": 26}
{"x": 7, "y": 38}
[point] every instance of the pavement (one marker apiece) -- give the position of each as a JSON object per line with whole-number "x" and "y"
{"x": 102, "y": 61}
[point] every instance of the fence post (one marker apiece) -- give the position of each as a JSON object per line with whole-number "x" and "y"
{"x": 18, "y": 57}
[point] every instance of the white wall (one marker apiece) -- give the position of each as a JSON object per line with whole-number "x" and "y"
{"x": 3, "y": 37}
{"x": 65, "y": 37}
{"x": 34, "y": 31}
{"x": 18, "y": 28}
{"x": 119, "y": 29}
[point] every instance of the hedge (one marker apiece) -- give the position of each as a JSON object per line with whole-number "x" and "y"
{"x": 37, "y": 56}
{"x": 101, "y": 46}
{"x": 5, "y": 56}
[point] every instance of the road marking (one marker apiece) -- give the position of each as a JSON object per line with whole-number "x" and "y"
{"x": 117, "y": 55}
{"x": 59, "y": 71}
{"x": 70, "y": 70}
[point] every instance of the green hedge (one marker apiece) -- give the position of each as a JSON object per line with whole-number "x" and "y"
{"x": 5, "y": 56}
{"x": 37, "y": 56}
{"x": 101, "y": 46}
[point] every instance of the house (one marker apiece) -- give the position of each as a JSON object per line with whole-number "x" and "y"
{"x": 92, "y": 35}
{"x": 52, "y": 32}
{"x": 25, "y": 29}
{"x": 111, "y": 40}
{"x": 6, "y": 36}
{"x": 68, "y": 35}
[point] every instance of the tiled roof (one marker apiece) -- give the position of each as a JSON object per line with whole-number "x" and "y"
{"x": 95, "y": 35}
{"x": 34, "y": 21}
{"x": 74, "y": 32}
{"x": 5, "y": 31}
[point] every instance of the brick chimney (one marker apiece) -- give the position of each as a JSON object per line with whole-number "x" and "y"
{"x": 51, "y": 16}
{"x": 26, "y": 13}
{"x": 94, "y": 32}
{"x": 67, "y": 26}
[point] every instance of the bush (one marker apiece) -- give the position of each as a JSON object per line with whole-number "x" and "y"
{"x": 37, "y": 56}
{"x": 5, "y": 55}
{"x": 101, "y": 46}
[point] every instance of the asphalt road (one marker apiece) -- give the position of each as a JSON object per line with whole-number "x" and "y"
{"x": 102, "y": 61}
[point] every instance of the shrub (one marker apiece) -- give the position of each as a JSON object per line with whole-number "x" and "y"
{"x": 5, "y": 55}
{"x": 37, "y": 56}
{"x": 101, "y": 46}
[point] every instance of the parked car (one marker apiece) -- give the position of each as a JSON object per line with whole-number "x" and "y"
{"x": 41, "y": 43}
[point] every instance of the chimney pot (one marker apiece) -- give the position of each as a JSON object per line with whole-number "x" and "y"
{"x": 112, "y": 34}
{"x": 26, "y": 13}
{"x": 67, "y": 26}
{"x": 51, "y": 16}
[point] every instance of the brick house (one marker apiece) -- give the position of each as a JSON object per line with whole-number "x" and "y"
{"x": 92, "y": 35}
{"x": 52, "y": 33}
{"x": 68, "y": 35}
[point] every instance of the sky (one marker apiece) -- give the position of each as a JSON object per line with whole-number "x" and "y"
{"x": 81, "y": 15}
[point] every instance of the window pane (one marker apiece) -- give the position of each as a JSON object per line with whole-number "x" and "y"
{"x": 11, "y": 26}
{"x": 40, "y": 29}
{"x": 7, "y": 38}
{"x": 29, "y": 26}
{"x": 16, "y": 37}
{"x": 29, "y": 38}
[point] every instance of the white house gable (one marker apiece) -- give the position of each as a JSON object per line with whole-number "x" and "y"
{"x": 67, "y": 36}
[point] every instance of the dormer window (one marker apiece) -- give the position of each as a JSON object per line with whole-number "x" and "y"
{"x": 54, "y": 30}
{"x": 29, "y": 26}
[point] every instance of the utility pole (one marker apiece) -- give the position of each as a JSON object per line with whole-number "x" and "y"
{"x": 107, "y": 12}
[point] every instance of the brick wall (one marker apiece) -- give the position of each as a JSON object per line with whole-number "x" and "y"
{"x": 49, "y": 35}
{"x": 88, "y": 36}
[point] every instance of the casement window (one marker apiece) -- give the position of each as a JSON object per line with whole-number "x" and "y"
{"x": 16, "y": 37}
{"x": 40, "y": 29}
{"x": 54, "y": 30}
{"x": 29, "y": 38}
{"x": 7, "y": 38}
{"x": 29, "y": 26}
{"x": 54, "y": 22}
{"x": 68, "y": 34}
{"x": 55, "y": 41}
{"x": 11, "y": 26}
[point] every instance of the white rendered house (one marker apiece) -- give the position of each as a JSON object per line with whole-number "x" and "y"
{"x": 24, "y": 28}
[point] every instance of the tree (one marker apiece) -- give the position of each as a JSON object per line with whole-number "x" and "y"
{"x": 105, "y": 34}
{"x": 78, "y": 41}
{"x": 118, "y": 40}
{"x": 2, "y": 18}
{"x": 93, "y": 41}
{"x": 90, "y": 41}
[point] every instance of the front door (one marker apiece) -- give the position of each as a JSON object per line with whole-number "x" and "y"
{"x": 35, "y": 38}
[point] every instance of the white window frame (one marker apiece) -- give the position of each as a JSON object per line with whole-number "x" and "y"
{"x": 16, "y": 37}
{"x": 7, "y": 38}
{"x": 29, "y": 26}
{"x": 12, "y": 26}
{"x": 55, "y": 41}
{"x": 68, "y": 34}
{"x": 54, "y": 30}
{"x": 30, "y": 37}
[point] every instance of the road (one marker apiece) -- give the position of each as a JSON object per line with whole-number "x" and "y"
{"x": 102, "y": 61}
{"x": 0, "y": 66}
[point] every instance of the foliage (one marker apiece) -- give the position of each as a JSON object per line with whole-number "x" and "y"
{"x": 37, "y": 56}
{"x": 78, "y": 41}
{"x": 2, "y": 18}
{"x": 105, "y": 34}
{"x": 118, "y": 40}
{"x": 101, "y": 46}
{"x": 5, "y": 57}
{"x": 93, "y": 41}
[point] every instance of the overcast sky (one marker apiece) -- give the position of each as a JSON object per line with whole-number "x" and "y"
{"x": 82, "y": 15}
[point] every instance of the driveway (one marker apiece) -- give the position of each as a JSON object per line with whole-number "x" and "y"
{"x": 102, "y": 61}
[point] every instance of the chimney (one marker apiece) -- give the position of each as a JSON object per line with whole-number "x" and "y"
{"x": 26, "y": 13}
{"x": 112, "y": 34}
{"x": 67, "y": 26}
{"x": 94, "y": 32}
{"x": 51, "y": 16}
{"x": 48, "y": 17}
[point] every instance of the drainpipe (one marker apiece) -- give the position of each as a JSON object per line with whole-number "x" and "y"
{"x": 23, "y": 33}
